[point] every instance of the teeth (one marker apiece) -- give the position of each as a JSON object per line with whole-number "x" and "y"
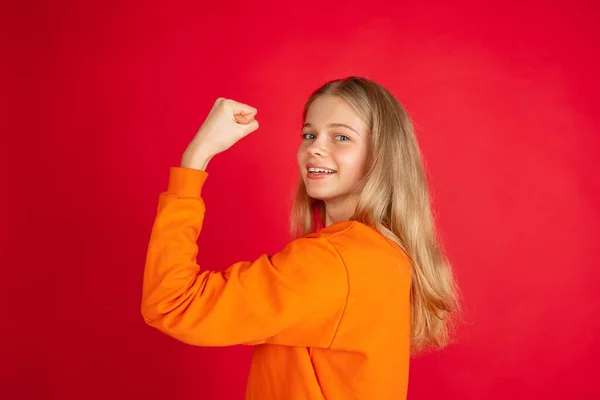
{"x": 328, "y": 171}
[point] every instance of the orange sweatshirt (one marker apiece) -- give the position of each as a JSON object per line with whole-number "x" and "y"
{"x": 329, "y": 314}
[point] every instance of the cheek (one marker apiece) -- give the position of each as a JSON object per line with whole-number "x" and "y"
{"x": 353, "y": 163}
{"x": 301, "y": 156}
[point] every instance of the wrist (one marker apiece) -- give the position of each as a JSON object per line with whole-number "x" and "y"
{"x": 195, "y": 160}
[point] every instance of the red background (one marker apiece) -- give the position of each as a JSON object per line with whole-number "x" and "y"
{"x": 101, "y": 99}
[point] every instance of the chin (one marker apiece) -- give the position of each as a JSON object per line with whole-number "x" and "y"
{"x": 320, "y": 194}
{"x": 315, "y": 194}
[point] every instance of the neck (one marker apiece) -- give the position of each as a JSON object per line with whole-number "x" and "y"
{"x": 337, "y": 211}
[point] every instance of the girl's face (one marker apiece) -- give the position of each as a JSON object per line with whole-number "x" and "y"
{"x": 335, "y": 139}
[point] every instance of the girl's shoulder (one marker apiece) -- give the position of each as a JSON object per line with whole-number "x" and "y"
{"x": 356, "y": 236}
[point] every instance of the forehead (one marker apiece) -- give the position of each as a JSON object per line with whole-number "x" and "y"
{"x": 333, "y": 109}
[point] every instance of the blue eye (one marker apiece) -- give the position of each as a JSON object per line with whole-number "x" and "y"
{"x": 306, "y": 136}
{"x": 342, "y": 136}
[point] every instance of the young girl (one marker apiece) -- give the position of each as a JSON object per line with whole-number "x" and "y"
{"x": 338, "y": 311}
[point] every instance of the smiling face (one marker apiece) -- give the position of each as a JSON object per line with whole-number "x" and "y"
{"x": 336, "y": 139}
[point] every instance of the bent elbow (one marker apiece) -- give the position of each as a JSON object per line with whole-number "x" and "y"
{"x": 153, "y": 310}
{"x": 149, "y": 314}
{"x": 166, "y": 322}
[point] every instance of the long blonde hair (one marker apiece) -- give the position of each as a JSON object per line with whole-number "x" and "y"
{"x": 393, "y": 198}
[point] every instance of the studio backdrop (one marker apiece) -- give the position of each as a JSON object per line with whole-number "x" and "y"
{"x": 101, "y": 99}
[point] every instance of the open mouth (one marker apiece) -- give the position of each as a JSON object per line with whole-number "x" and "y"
{"x": 321, "y": 171}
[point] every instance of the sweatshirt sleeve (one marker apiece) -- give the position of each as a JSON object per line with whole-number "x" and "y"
{"x": 295, "y": 297}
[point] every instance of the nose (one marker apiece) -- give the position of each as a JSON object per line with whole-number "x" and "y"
{"x": 317, "y": 149}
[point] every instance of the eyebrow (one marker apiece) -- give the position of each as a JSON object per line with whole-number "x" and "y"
{"x": 334, "y": 125}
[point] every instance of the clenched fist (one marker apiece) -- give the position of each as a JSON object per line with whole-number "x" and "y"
{"x": 227, "y": 122}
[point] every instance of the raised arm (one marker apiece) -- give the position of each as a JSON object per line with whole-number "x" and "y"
{"x": 295, "y": 297}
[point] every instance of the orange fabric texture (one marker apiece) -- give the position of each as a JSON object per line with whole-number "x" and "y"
{"x": 329, "y": 315}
